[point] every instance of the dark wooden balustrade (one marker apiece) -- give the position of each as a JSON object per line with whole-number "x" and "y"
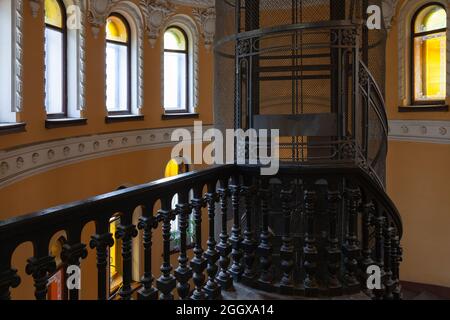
{"x": 347, "y": 224}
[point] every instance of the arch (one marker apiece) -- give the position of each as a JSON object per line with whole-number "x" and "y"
{"x": 406, "y": 13}
{"x": 188, "y": 25}
{"x": 133, "y": 15}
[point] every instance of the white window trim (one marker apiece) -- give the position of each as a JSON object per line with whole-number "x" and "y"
{"x": 76, "y": 63}
{"x": 407, "y": 12}
{"x": 189, "y": 26}
{"x": 14, "y": 78}
{"x": 134, "y": 17}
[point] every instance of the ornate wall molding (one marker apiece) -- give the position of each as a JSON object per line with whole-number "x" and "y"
{"x": 420, "y": 131}
{"x": 206, "y": 19}
{"x": 188, "y": 25}
{"x": 99, "y": 11}
{"x": 195, "y": 3}
{"x": 156, "y": 13}
{"x": 21, "y": 163}
{"x": 17, "y": 66}
{"x": 35, "y": 6}
{"x": 406, "y": 12}
{"x": 389, "y": 7}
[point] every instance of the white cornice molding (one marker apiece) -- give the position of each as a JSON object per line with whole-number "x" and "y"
{"x": 17, "y": 66}
{"x": 206, "y": 19}
{"x": 21, "y": 163}
{"x": 420, "y": 131}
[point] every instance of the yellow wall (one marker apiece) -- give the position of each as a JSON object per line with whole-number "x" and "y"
{"x": 33, "y": 105}
{"x": 93, "y": 177}
{"x": 418, "y": 176}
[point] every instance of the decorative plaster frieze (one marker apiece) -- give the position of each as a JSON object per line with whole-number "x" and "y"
{"x": 206, "y": 19}
{"x": 99, "y": 11}
{"x": 195, "y": 3}
{"x": 389, "y": 7}
{"x": 156, "y": 14}
{"x": 35, "y": 6}
{"x": 21, "y": 163}
{"x": 420, "y": 131}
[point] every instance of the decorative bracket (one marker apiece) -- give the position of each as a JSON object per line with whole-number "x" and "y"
{"x": 35, "y": 6}
{"x": 206, "y": 19}
{"x": 388, "y": 7}
{"x": 156, "y": 14}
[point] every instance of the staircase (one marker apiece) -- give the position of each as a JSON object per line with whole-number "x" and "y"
{"x": 310, "y": 231}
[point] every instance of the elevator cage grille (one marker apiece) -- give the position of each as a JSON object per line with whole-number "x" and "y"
{"x": 287, "y": 57}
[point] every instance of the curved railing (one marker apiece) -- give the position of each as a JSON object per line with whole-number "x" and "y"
{"x": 361, "y": 229}
{"x": 375, "y": 122}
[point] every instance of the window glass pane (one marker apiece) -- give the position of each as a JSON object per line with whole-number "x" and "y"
{"x": 174, "y": 39}
{"x": 116, "y": 77}
{"x": 431, "y": 18}
{"x": 54, "y": 71}
{"x": 53, "y": 13}
{"x": 430, "y": 67}
{"x": 116, "y": 30}
{"x": 175, "y": 80}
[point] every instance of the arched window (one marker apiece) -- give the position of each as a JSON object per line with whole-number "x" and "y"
{"x": 55, "y": 59}
{"x": 429, "y": 27}
{"x": 118, "y": 65}
{"x": 176, "y": 70}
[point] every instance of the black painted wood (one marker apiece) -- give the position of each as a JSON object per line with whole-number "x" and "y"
{"x": 249, "y": 243}
{"x": 265, "y": 249}
{"x": 184, "y": 272}
{"x": 224, "y": 247}
{"x": 334, "y": 254}
{"x": 147, "y": 223}
{"x": 198, "y": 263}
{"x": 310, "y": 251}
{"x": 236, "y": 268}
{"x": 287, "y": 248}
{"x": 211, "y": 288}
{"x": 166, "y": 282}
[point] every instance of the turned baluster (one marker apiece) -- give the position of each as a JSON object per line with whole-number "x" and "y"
{"x": 310, "y": 249}
{"x": 212, "y": 289}
{"x": 379, "y": 252}
{"x": 126, "y": 231}
{"x": 333, "y": 249}
{"x": 249, "y": 243}
{"x": 166, "y": 283}
{"x": 101, "y": 241}
{"x": 236, "y": 238}
{"x": 72, "y": 252}
{"x": 367, "y": 260}
{"x": 396, "y": 259}
{"x": 41, "y": 266}
{"x": 265, "y": 247}
{"x": 287, "y": 248}
{"x": 183, "y": 273}
{"x": 147, "y": 222}
{"x": 198, "y": 263}
{"x": 8, "y": 276}
{"x": 224, "y": 247}
{"x": 351, "y": 245}
{"x": 388, "y": 281}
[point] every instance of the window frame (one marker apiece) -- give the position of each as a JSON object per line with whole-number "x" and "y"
{"x": 63, "y": 30}
{"x": 128, "y": 111}
{"x": 413, "y": 36}
{"x": 186, "y": 52}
